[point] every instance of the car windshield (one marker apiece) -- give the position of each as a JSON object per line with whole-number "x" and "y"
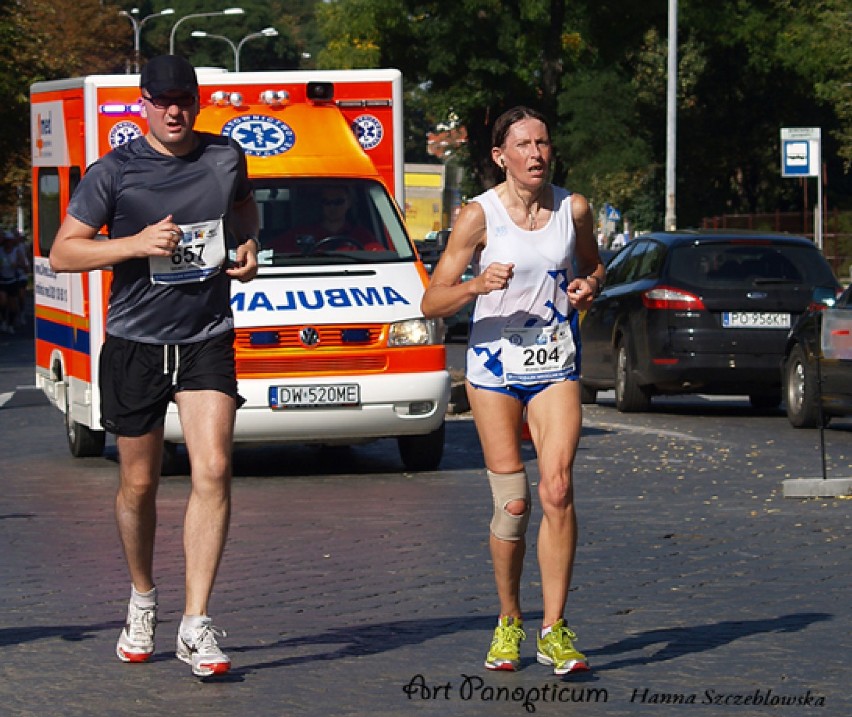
{"x": 345, "y": 221}
{"x": 709, "y": 265}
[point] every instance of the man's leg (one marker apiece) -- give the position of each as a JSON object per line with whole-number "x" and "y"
{"x": 136, "y": 514}
{"x": 207, "y": 418}
{"x": 140, "y": 459}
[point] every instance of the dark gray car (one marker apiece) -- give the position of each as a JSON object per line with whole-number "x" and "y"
{"x": 698, "y": 312}
{"x": 817, "y": 367}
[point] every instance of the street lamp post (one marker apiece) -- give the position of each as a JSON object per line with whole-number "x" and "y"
{"x": 137, "y": 28}
{"x": 265, "y": 32}
{"x": 227, "y": 11}
{"x": 237, "y": 48}
{"x": 201, "y": 33}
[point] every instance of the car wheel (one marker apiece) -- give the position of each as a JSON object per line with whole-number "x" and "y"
{"x": 801, "y": 390}
{"x": 422, "y": 453}
{"x": 83, "y": 442}
{"x": 588, "y": 395}
{"x": 629, "y": 395}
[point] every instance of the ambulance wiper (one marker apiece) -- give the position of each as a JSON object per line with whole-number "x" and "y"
{"x": 333, "y": 255}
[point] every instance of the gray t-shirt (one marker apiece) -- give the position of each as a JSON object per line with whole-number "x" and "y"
{"x": 134, "y": 186}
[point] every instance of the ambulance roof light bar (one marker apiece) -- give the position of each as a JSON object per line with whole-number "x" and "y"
{"x": 275, "y": 98}
{"x": 222, "y": 98}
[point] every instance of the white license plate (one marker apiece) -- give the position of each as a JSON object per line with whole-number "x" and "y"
{"x": 755, "y": 320}
{"x": 332, "y": 395}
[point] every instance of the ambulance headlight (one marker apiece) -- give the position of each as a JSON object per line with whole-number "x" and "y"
{"x": 415, "y": 332}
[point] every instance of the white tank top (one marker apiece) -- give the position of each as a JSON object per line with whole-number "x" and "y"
{"x": 536, "y": 296}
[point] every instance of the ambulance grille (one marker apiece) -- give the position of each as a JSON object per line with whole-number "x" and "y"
{"x": 345, "y": 336}
{"x": 316, "y": 364}
{"x": 269, "y": 350}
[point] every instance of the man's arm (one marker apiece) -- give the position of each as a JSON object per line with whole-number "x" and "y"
{"x": 246, "y": 223}
{"x": 76, "y": 249}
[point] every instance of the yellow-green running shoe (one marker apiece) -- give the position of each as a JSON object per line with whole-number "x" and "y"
{"x": 505, "y": 651}
{"x": 557, "y": 649}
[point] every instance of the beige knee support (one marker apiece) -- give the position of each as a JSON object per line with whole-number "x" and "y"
{"x": 505, "y": 488}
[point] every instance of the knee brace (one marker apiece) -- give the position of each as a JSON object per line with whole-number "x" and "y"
{"x": 506, "y": 487}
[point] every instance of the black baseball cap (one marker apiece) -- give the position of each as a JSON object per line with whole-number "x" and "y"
{"x": 168, "y": 73}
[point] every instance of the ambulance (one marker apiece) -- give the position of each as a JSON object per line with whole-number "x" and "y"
{"x": 331, "y": 347}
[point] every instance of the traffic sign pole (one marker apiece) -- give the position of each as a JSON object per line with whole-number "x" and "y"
{"x": 801, "y": 156}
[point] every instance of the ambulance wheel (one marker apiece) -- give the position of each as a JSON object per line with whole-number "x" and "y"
{"x": 588, "y": 395}
{"x": 82, "y": 440}
{"x": 422, "y": 453}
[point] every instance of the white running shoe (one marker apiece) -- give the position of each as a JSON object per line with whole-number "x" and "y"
{"x": 136, "y": 641}
{"x": 198, "y": 648}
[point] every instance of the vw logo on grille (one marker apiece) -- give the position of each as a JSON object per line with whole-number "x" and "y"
{"x": 309, "y": 336}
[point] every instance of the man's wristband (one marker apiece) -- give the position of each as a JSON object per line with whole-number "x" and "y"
{"x": 598, "y": 284}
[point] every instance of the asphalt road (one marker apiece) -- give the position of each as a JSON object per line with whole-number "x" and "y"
{"x": 350, "y": 587}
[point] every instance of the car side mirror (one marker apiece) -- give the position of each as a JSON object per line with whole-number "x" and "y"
{"x": 824, "y": 295}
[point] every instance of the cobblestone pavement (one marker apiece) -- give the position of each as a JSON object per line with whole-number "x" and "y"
{"x": 351, "y": 588}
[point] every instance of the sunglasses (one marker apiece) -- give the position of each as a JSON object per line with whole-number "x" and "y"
{"x": 163, "y": 102}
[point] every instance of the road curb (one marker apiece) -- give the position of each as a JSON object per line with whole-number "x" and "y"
{"x": 817, "y": 487}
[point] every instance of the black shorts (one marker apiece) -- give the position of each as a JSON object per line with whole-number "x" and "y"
{"x": 139, "y": 380}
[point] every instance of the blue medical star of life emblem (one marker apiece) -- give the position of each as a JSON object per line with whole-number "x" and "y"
{"x": 123, "y": 132}
{"x": 260, "y": 135}
{"x": 369, "y": 131}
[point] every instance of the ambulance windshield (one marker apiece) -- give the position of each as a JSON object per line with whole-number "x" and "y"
{"x": 313, "y": 221}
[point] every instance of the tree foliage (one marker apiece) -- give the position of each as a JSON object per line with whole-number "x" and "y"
{"x": 50, "y": 40}
{"x": 597, "y": 68}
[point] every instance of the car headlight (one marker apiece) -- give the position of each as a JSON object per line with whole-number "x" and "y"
{"x": 416, "y": 332}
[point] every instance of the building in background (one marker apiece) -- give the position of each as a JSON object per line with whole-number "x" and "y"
{"x": 432, "y": 198}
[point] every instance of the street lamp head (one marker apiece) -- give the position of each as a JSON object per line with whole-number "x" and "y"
{"x": 269, "y": 32}
{"x": 167, "y": 11}
{"x": 227, "y": 11}
{"x": 199, "y": 33}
